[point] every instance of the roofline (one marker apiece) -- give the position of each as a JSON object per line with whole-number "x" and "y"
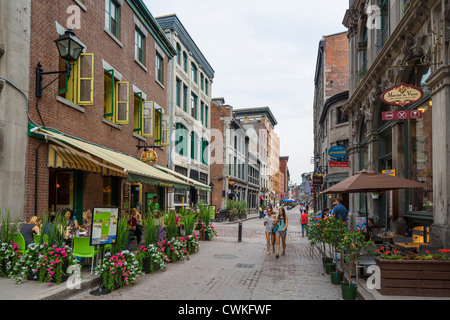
{"x": 173, "y": 23}
{"x": 257, "y": 111}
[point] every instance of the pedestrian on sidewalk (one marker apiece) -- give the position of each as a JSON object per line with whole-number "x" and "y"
{"x": 304, "y": 221}
{"x": 282, "y": 224}
{"x": 270, "y": 236}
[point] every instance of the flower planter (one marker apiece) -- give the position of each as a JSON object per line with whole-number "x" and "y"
{"x": 336, "y": 277}
{"x": 330, "y": 267}
{"x": 233, "y": 218}
{"x": 427, "y": 278}
{"x": 242, "y": 216}
{"x": 326, "y": 260}
{"x": 348, "y": 291}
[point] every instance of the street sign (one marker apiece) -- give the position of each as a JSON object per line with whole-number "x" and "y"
{"x": 339, "y": 164}
{"x": 390, "y": 172}
{"x": 402, "y": 115}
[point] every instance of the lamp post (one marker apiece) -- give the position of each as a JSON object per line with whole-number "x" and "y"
{"x": 69, "y": 49}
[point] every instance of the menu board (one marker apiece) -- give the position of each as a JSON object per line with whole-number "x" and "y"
{"x": 104, "y": 225}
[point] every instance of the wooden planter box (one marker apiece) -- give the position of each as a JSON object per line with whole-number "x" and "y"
{"x": 414, "y": 277}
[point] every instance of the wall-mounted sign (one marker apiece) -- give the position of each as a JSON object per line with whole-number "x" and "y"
{"x": 337, "y": 152}
{"x": 338, "y": 164}
{"x": 402, "y": 115}
{"x": 390, "y": 172}
{"x": 149, "y": 157}
{"x": 402, "y": 95}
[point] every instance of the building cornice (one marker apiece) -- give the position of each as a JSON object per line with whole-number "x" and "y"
{"x": 172, "y": 23}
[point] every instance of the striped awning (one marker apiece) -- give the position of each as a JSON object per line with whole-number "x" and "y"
{"x": 65, "y": 158}
{"x": 197, "y": 185}
{"x": 72, "y": 153}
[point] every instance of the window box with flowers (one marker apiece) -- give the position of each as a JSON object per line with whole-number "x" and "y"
{"x": 426, "y": 275}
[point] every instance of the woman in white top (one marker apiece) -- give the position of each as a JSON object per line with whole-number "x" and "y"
{"x": 268, "y": 222}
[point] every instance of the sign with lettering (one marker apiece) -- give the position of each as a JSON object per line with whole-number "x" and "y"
{"x": 317, "y": 180}
{"x": 402, "y": 115}
{"x": 339, "y": 164}
{"x": 337, "y": 152}
{"x": 402, "y": 95}
{"x": 149, "y": 157}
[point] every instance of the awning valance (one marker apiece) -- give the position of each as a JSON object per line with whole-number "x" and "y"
{"x": 69, "y": 152}
{"x": 197, "y": 185}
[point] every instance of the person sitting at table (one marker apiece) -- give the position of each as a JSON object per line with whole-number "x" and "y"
{"x": 87, "y": 220}
{"x": 29, "y": 229}
{"x": 48, "y": 228}
{"x": 133, "y": 229}
{"x": 371, "y": 225}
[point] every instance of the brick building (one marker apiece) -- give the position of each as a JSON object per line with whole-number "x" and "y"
{"x": 330, "y": 123}
{"x": 94, "y": 125}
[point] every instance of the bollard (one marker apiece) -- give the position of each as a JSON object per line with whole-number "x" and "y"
{"x": 240, "y": 232}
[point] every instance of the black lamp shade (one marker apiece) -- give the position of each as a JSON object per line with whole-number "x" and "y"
{"x": 69, "y": 49}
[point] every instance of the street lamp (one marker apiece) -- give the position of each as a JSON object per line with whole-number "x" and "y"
{"x": 69, "y": 49}
{"x": 318, "y": 166}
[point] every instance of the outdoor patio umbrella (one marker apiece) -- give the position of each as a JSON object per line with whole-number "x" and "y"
{"x": 372, "y": 181}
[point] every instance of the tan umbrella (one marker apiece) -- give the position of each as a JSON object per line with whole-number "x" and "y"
{"x": 372, "y": 181}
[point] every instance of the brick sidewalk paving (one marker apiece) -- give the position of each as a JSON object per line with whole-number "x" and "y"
{"x": 225, "y": 269}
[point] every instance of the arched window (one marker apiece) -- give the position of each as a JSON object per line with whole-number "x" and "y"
{"x": 194, "y": 146}
{"x": 178, "y": 54}
{"x": 181, "y": 139}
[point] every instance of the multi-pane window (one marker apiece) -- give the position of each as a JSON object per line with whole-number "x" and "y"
{"x": 181, "y": 139}
{"x": 139, "y": 46}
{"x": 194, "y": 146}
{"x": 112, "y": 17}
{"x": 159, "y": 69}
{"x": 178, "y": 54}
{"x": 206, "y": 116}
{"x": 194, "y": 72}
{"x": 202, "y": 112}
{"x": 185, "y": 98}
{"x": 185, "y": 62}
{"x": 178, "y": 93}
{"x": 341, "y": 117}
{"x": 194, "y": 101}
{"x": 205, "y": 151}
{"x": 79, "y": 87}
{"x": 116, "y": 99}
{"x": 206, "y": 87}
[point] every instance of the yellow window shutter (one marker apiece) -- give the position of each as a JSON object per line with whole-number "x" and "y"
{"x": 86, "y": 79}
{"x": 147, "y": 119}
{"x": 122, "y": 98}
{"x": 165, "y": 130}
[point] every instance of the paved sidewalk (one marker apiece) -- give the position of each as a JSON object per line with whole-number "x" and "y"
{"x": 223, "y": 269}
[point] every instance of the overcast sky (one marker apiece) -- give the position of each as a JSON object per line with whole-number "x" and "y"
{"x": 264, "y": 53}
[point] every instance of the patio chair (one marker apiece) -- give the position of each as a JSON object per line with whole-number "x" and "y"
{"x": 38, "y": 237}
{"x": 83, "y": 249}
{"x": 20, "y": 240}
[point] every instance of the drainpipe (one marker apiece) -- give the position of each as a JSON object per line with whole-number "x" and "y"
{"x": 36, "y": 176}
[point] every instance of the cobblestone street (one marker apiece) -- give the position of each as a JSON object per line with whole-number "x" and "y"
{"x": 225, "y": 269}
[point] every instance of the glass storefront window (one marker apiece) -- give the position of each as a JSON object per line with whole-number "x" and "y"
{"x": 420, "y": 160}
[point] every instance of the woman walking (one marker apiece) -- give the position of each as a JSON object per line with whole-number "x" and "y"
{"x": 270, "y": 236}
{"x": 282, "y": 223}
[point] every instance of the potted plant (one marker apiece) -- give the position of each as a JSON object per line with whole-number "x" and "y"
{"x": 414, "y": 274}
{"x": 234, "y": 214}
{"x": 151, "y": 258}
{"x": 314, "y": 233}
{"x": 242, "y": 209}
{"x": 118, "y": 270}
{"x": 353, "y": 243}
{"x": 10, "y": 256}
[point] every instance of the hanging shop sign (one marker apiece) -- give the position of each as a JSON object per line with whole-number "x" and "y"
{"x": 337, "y": 152}
{"x": 402, "y": 115}
{"x": 402, "y": 95}
{"x": 317, "y": 180}
{"x": 390, "y": 172}
{"x": 149, "y": 157}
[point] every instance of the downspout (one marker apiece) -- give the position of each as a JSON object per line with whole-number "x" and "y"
{"x": 36, "y": 175}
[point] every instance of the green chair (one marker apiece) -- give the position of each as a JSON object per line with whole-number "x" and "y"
{"x": 38, "y": 237}
{"x": 83, "y": 249}
{"x": 19, "y": 239}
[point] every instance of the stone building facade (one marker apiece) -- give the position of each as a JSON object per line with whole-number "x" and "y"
{"x": 393, "y": 43}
